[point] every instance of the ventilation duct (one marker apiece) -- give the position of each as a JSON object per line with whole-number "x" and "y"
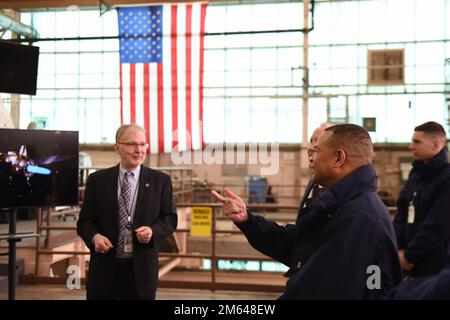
{"x": 386, "y": 67}
{"x": 9, "y": 24}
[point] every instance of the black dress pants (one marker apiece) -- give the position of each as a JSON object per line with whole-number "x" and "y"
{"x": 123, "y": 286}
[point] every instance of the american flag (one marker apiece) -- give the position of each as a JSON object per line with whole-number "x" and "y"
{"x": 161, "y": 73}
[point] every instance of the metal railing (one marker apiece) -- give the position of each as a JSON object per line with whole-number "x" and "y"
{"x": 213, "y": 256}
{"x": 181, "y": 203}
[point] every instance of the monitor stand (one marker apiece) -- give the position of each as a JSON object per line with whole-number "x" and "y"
{"x": 12, "y": 237}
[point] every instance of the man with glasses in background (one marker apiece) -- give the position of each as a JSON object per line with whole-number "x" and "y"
{"x": 127, "y": 210}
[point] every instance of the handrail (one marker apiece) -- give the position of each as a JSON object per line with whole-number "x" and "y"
{"x": 183, "y": 202}
{"x": 250, "y": 206}
{"x": 213, "y": 256}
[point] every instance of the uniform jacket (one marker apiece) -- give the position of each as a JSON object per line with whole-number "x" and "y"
{"x": 435, "y": 287}
{"x": 334, "y": 242}
{"x": 426, "y": 240}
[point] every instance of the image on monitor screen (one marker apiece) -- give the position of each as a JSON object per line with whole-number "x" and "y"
{"x": 38, "y": 168}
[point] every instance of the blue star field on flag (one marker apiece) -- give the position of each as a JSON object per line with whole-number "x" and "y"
{"x": 140, "y": 34}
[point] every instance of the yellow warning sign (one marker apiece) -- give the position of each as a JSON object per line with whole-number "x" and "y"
{"x": 201, "y": 218}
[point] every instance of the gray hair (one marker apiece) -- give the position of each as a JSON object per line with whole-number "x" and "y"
{"x": 126, "y": 127}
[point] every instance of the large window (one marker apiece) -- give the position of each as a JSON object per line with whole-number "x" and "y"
{"x": 346, "y": 31}
{"x": 253, "y": 82}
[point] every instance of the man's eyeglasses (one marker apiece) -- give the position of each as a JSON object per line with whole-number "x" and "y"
{"x": 134, "y": 145}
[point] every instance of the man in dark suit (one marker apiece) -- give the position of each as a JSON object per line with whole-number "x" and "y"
{"x": 312, "y": 190}
{"x": 127, "y": 210}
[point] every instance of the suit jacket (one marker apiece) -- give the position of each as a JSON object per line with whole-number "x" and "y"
{"x": 306, "y": 201}
{"x": 99, "y": 214}
{"x": 308, "y": 190}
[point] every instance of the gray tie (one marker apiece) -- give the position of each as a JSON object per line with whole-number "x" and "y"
{"x": 124, "y": 208}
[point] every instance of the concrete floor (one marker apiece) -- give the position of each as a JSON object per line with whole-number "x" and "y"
{"x": 60, "y": 292}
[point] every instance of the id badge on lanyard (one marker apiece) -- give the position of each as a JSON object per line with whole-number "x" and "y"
{"x": 411, "y": 209}
{"x": 128, "y": 238}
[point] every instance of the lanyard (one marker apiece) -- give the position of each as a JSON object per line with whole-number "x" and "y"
{"x": 413, "y": 193}
{"x": 130, "y": 208}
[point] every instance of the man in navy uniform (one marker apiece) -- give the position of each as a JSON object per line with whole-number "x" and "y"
{"x": 339, "y": 237}
{"x": 422, "y": 223}
{"x": 436, "y": 287}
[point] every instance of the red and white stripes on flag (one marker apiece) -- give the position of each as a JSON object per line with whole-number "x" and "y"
{"x": 166, "y": 97}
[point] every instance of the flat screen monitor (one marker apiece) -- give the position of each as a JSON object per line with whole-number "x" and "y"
{"x": 38, "y": 168}
{"x": 18, "y": 68}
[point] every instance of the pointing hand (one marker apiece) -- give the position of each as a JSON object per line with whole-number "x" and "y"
{"x": 233, "y": 206}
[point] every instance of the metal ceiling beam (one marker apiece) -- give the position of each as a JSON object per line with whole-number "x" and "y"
{"x": 35, "y": 4}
